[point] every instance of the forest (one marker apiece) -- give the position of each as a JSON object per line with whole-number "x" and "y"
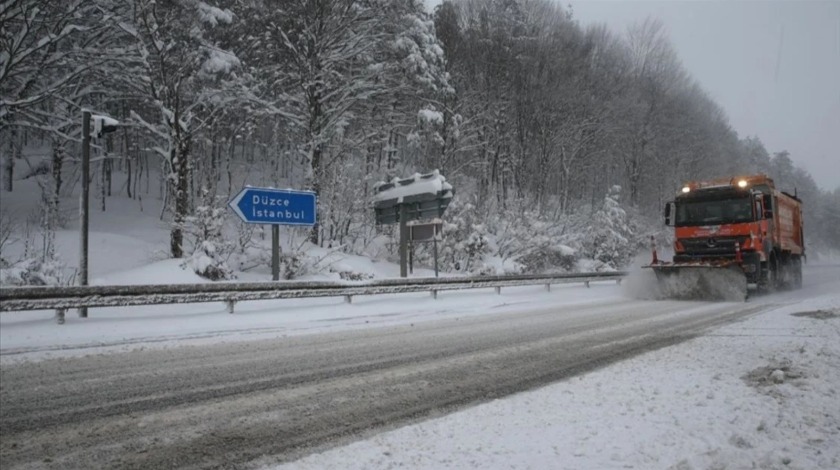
{"x": 563, "y": 141}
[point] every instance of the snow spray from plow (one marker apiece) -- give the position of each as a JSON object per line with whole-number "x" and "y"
{"x": 687, "y": 283}
{"x": 719, "y": 280}
{"x": 701, "y": 282}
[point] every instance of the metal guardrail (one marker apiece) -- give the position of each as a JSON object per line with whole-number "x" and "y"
{"x": 18, "y": 299}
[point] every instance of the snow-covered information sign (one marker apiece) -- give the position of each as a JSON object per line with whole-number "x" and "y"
{"x": 421, "y": 196}
{"x": 275, "y": 206}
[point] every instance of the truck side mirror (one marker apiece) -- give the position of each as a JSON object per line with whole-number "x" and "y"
{"x": 767, "y": 204}
{"x": 670, "y": 212}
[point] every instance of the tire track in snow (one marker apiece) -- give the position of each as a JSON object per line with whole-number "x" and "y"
{"x": 225, "y": 405}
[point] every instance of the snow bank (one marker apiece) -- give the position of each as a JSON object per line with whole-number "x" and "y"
{"x": 761, "y": 393}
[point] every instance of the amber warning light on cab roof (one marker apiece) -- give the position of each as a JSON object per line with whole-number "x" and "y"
{"x": 739, "y": 181}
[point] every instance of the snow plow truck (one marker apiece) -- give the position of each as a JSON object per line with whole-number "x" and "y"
{"x": 731, "y": 234}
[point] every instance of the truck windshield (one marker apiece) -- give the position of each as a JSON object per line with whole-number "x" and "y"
{"x": 714, "y": 212}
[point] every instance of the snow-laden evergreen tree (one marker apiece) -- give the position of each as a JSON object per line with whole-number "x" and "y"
{"x": 609, "y": 237}
{"x": 465, "y": 239}
{"x": 211, "y": 249}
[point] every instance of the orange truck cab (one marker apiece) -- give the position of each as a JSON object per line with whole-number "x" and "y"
{"x": 743, "y": 221}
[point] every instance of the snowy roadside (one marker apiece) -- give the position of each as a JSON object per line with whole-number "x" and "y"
{"x": 32, "y": 336}
{"x": 761, "y": 393}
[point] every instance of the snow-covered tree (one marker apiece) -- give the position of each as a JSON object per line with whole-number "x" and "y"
{"x": 182, "y": 73}
{"x": 610, "y": 238}
{"x": 48, "y": 54}
{"x": 211, "y": 249}
{"x": 326, "y": 65}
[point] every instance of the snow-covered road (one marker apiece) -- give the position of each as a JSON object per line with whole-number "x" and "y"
{"x": 211, "y": 404}
{"x": 333, "y": 382}
{"x": 760, "y": 393}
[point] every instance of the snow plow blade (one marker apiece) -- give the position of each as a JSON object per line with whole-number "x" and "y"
{"x": 700, "y": 282}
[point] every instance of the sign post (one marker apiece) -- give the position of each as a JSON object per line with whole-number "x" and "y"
{"x": 436, "y": 257}
{"x": 275, "y": 252}
{"x": 275, "y": 207}
{"x": 409, "y": 199}
{"x": 403, "y": 240}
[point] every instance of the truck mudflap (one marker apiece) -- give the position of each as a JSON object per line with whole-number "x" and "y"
{"x": 720, "y": 280}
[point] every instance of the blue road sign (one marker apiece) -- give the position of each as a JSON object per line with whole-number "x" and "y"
{"x": 274, "y": 206}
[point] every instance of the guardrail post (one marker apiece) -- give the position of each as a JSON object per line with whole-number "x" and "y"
{"x": 59, "y": 316}
{"x": 13, "y": 299}
{"x": 348, "y": 299}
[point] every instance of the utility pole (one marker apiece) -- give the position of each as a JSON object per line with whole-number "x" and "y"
{"x": 102, "y": 125}
{"x": 83, "y": 206}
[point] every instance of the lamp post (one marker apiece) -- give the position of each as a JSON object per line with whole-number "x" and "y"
{"x": 101, "y": 125}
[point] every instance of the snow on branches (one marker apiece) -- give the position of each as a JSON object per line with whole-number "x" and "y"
{"x": 610, "y": 238}
{"x": 210, "y": 248}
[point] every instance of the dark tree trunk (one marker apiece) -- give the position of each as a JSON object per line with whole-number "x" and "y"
{"x": 57, "y": 163}
{"x": 128, "y": 178}
{"x": 11, "y": 155}
{"x": 315, "y": 116}
{"x": 181, "y": 170}
{"x": 316, "y": 188}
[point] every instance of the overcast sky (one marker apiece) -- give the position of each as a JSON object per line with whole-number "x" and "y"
{"x": 773, "y": 65}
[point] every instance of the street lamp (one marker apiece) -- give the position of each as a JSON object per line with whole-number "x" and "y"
{"x": 101, "y": 125}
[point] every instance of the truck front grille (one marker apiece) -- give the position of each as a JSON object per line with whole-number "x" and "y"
{"x": 711, "y": 246}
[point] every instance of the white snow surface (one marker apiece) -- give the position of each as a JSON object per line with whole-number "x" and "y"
{"x": 100, "y": 121}
{"x": 434, "y": 185}
{"x": 430, "y": 116}
{"x": 219, "y": 61}
{"x": 213, "y": 15}
{"x": 33, "y": 336}
{"x": 762, "y": 393}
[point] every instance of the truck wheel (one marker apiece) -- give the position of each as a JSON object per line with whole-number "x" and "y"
{"x": 777, "y": 278}
{"x": 797, "y": 272}
{"x": 772, "y": 277}
{"x": 784, "y": 274}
